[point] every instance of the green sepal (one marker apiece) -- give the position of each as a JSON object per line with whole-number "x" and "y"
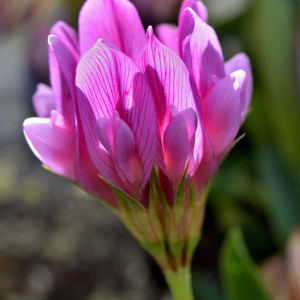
{"x": 155, "y": 206}
{"x": 180, "y": 197}
{"x": 197, "y": 219}
{"x": 50, "y": 170}
{"x": 160, "y": 193}
{"x": 231, "y": 147}
{"x": 157, "y": 251}
{"x": 135, "y": 204}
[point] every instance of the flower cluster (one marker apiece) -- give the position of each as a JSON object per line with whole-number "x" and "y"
{"x": 127, "y": 106}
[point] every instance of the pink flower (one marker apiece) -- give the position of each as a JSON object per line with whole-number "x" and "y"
{"x": 57, "y": 136}
{"x": 117, "y": 112}
{"x": 180, "y": 136}
{"x": 224, "y": 89}
{"x": 125, "y": 107}
{"x": 119, "y": 104}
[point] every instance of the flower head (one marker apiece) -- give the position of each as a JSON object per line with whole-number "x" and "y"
{"x": 139, "y": 121}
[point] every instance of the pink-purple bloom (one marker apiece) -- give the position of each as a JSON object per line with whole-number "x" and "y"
{"x": 123, "y": 100}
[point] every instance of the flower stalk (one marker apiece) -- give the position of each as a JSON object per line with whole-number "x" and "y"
{"x": 179, "y": 283}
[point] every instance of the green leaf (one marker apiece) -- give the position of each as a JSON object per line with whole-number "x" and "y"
{"x": 281, "y": 193}
{"x": 271, "y": 28}
{"x": 136, "y": 205}
{"x": 240, "y": 276}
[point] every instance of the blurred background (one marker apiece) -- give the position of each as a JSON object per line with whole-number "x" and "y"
{"x": 58, "y": 243}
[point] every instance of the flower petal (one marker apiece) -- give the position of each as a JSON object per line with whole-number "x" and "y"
{"x": 125, "y": 153}
{"x": 191, "y": 119}
{"x": 68, "y": 35}
{"x": 197, "y": 6}
{"x": 176, "y": 146}
{"x": 107, "y": 80}
{"x": 167, "y": 34}
{"x": 52, "y": 143}
{"x": 85, "y": 172}
{"x": 171, "y": 83}
{"x": 222, "y": 110}
{"x": 205, "y": 57}
{"x": 66, "y": 60}
{"x": 208, "y": 166}
{"x": 43, "y": 101}
{"x": 116, "y": 21}
{"x": 104, "y": 129}
{"x": 117, "y": 138}
{"x": 242, "y": 62}
{"x": 58, "y": 82}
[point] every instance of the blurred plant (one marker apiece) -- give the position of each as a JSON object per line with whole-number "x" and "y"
{"x": 241, "y": 278}
{"x": 282, "y": 272}
{"x": 14, "y": 13}
{"x": 226, "y": 10}
{"x": 270, "y": 32}
{"x": 124, "y": 102}
{"x": 261, "y": 189}
{"x": 33, "y": 19}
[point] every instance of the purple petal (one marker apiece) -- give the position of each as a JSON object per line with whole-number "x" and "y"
{"x": 176, "y": 146}
{"x": 115, "y": 21}
{"x": 222, "y": 110}
{"x": 185, "y": 30}
{"x": 171, "y": 83}
{"x": 205, "y": 57}
{"x": 68, "y": 35}
{"x": 167, "y": 34}
{"x": 52, "y": 141}
{"x": 212, "y": 66}
{"x": 125, "y": 153}
{"x": 107, "y": 80}
{"x": 242, "y": 62}
{"x": 85, "y": 172}
{"x": 66, "y": 60}
{"x": 208, "y": 166}
{"x": 43, "y": 101}
{"x": 104, "y": 129}
{"x": 194, "y": 155}
{"x": 117, "y": 138}
{"x": 60, "y": 89}
{"x": 197, "y": 6}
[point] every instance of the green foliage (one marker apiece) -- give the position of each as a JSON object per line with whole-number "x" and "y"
{"x": 206, "y": 287}
{"x": 270, "y": 32}
{"x": 281, "y": 194}
{"x": 240, "y": 276}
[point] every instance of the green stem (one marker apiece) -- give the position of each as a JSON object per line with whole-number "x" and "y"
{"x": 180, "y": 284}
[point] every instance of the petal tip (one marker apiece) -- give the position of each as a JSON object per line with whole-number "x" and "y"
{"x": 50, "y": 39}
{"x": 149, "y": 33}
{"x": 238, "y": 77}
